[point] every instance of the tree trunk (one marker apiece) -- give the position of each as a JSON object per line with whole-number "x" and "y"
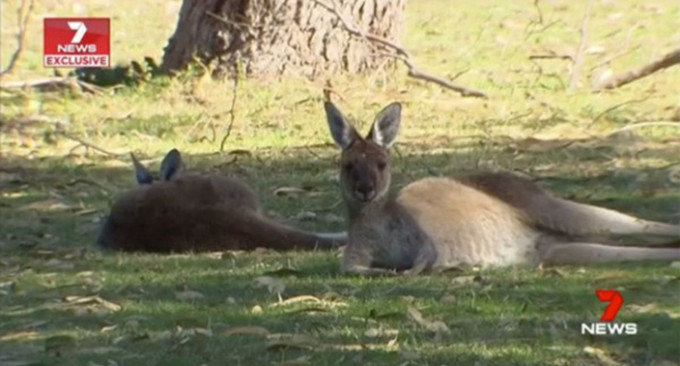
{"x": 274, "y": 37}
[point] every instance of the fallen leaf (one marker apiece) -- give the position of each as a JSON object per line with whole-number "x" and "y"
{"x": 305, "y": 216}
{"x": 648, "y": 308}
{"x": 274, "y": 285}
{"x": 85, "y": 300}
{"x": 381, "y": 332}
{"x": 289, "y": 192}
{"x": 298, "y": 299}
{"x": 287, "y": 340}
{"x": 257, "y": 309}
{"x": 466, "y": 280}
{"x": 19, "y": 336}
{"x": 248, "y": 330}
{"x": 448, "y": 299}
{"x": 432, "y": 326}
{"x": 299, "y": 361}
{"x": 601, "y": 355}
{"x": 189, "y": 295}
{"x": 59, "y": 264}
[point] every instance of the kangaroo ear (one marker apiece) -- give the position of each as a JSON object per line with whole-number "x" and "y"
{"x": 142, "y": 174}
{"x": 171, "y": 165}
{"x": 342, "y": 131}
{"x": 386, "y": 126}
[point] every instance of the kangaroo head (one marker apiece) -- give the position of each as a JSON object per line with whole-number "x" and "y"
{"x": 365, "y": 171}
{"x": 170, "y": 167}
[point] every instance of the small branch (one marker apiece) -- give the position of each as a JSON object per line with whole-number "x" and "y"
{"x": 23, "y": 19}
{"x": 86, "y": 144}
{"x": 551, "y": 56}
{"x": 615, "y": 56}
{"x": 232, "y": 112}
{"x": 633, "y": 126}
{"x": 668, "y": 60}
{"x": 576, "y": 63}
{"x": 52, "y": 83}
{"x": 403, "y": 55}
{"x": 538, "y": 10}
{"x": 617, "y": 106}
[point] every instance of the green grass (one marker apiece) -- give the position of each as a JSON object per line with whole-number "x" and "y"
{"x": 53, "y": 193}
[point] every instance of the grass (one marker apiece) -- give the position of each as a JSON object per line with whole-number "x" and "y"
{"x": 179, "y": 309}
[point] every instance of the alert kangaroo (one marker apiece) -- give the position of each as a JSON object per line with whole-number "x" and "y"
{"x": 486, "y": 219}
{"x": 193, "y": 212}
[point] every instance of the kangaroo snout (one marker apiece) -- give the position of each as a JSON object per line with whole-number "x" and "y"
{"x": 364, "y": 192}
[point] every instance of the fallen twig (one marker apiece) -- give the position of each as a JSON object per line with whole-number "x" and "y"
{"x": 403, "y": 55}
{"x": 52, "y": 83}
{"x": 576, "y": 62}
{"x": 633, "y": 126}
{"x": 551, "y": 56}
{"x": 23, "y": 19}
{"x": 88, "y": 145}
{"x": 617, "y": 106}
{"x": 231, "y": 111}
{"x": 668, "y": 60}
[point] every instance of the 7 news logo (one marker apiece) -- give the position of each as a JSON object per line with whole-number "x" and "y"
{"x": 607, "y": 326}
{"x": 76, "y": 42}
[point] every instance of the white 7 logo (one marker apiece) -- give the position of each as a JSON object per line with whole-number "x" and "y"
{"x": 80, "y": 29}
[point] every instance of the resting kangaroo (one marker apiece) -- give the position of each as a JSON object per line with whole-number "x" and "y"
{"x": 487, "y": 219}
{"x": 193, "y": 212}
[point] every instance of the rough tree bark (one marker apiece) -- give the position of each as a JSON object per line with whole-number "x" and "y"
{"x": 273, "y": 37}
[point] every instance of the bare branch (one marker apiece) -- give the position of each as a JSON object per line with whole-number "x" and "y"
{"x": 576, "y": 63}
{"x": 23, "y": 17}
{"x": 401, "y": 54}
{"x": 668, "y": 60}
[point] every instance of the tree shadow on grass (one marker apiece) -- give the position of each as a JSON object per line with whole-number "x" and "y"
{"x": 49, "y": 213}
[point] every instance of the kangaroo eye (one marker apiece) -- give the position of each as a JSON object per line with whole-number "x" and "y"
{"x": 382, "y": 165}
{"x": 347, "y": 166}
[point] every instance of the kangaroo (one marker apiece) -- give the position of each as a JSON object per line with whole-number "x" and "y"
{"x": 193, "y": 213}
{"x": 485, "y": 219}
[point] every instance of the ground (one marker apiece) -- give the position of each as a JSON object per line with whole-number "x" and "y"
{"x": 64, "y": 302}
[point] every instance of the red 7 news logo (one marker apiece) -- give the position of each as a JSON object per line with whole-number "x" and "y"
{"x": 615, "y": 301}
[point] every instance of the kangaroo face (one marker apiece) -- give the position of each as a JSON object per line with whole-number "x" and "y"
{"x": 365, "y": 172}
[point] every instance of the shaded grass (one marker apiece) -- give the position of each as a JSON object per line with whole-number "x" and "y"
{"x": 53, "y": 194}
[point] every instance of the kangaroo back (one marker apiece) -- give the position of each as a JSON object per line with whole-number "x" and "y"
{"x": 563, "y": 216}
{"x": 193, "y": 212}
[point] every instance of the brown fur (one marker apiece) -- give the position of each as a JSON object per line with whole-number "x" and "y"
{"x": 193, "y": 213}
{"x": 487, "y": 219}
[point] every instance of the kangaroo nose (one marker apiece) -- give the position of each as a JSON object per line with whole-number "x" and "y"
{"x": 364, "y": 192}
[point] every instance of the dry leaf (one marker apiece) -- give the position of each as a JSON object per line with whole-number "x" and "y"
{"x": 257, "y": 309}
{"x": 432, "y": 326}
{"x": 601, "y": 355}
{"x": 465, "y": 280}
{"x": 86, "y": 300}
{"x": 274, "y": 285}
{"x": 249, "y": 330}
{"x": 289, "y": 192}
{"x": 189, "y": 295}
{"x": 648, "y": 308}
{"x": 305, "y": 216}
{"x": 287, "y": 340}
{"x": 298, "y": 299}
{"x": 448, "y": 299}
